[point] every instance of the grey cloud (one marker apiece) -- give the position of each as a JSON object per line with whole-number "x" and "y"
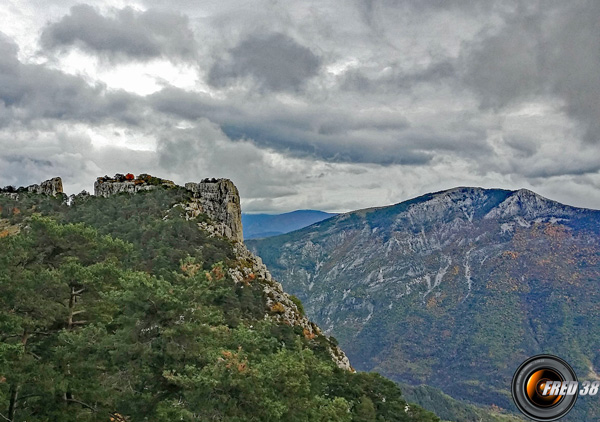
{"x": 183, "y": 104}
{"x": 124, "y": 34}
{"x": 205, "y": 151}
{"x": 29, "y": 92}
{"x": 368, "y": 8}
{"x": 396, "y": 79}
{"x": 549, "y": 51}
{"x": 274, "y": 61}
{"x": 523, "y": 147}
{"x": 333, "y": 148}
{"x": 319, "y": 132}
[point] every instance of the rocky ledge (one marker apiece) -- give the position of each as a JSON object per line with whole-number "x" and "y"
{"x": 50, "y": 187}
{"x": 220, "y": 200}
{"x": 127, "y": 183}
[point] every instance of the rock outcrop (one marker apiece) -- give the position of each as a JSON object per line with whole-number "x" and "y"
{"x": 49, "y": 187}
{"x": 108, "y": 186}
{"x": 220, "y": 200}
{"x": 109, "y": 189}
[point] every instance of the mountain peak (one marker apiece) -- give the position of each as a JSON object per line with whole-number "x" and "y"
{"x": 422, "y": 289}
{"x": 529, "y": 205}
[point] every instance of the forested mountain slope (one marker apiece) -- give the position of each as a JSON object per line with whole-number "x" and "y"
{"x": 453, "y": 289}
{"x": 143, "y": 304}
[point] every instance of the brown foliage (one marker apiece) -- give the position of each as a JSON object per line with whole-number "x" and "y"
{"x": 309, "y": 335}
{"x": 278, "y": 308}
{"x": 510, "y": 254}
{"x": 218, "y": 273}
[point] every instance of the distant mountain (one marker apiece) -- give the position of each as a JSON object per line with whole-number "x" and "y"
{"x": 453, "y": 289}
{"x": 267, "y": 225}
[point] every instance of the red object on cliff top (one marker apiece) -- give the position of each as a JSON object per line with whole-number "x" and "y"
{"x": 129, "y": 176}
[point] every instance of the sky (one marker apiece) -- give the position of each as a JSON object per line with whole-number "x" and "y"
{"x": 332, "y": 105}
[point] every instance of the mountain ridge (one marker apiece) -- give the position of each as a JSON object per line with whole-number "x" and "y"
{"x": 468, "y": 266}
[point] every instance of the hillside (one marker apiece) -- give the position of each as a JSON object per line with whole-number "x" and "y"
{"x": 141, "y": 303}
{"x": 450, "y": 409}
{"x": 267, "y": 225}
{"x": 453, "y": 289}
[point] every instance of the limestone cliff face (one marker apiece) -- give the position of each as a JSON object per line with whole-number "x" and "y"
{"x": 49, "y": 187}
{"x": 220, "y": 200}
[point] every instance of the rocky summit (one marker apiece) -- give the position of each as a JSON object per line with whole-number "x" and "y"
{"x": 217, "y": 198}
{"x": 49, "y": 187}
{"x": 453, "y": 289}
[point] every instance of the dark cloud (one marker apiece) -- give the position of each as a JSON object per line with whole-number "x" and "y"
{"x": 29, "y": 92}
{"x": 274, "y": 61}
{"x": 354, "y": 107}
{"x": 547, "y": 50}
{"x": 124, "y": 34}
{"x": 323, "y": 133}
{"x": 341, "y": 148}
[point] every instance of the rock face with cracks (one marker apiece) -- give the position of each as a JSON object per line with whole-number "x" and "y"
{"x": 220, "y": 200}
{"x": 49, "y": 187}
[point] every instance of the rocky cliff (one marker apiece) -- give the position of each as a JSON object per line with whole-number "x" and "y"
{"x": 220, "y": 200}
{"x": 50, "y": 187}
{"x": 108, "y": 186}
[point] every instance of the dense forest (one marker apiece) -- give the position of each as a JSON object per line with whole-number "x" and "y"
{"x": 121, "y": 309}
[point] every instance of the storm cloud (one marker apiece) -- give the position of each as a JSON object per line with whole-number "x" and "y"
{"x": 549, "y": 49}
{"x": 29, "y": 92}
{"x": 123, "y": 34}
{"x": 273, "y": 61}
{"x": 329, "y": 105}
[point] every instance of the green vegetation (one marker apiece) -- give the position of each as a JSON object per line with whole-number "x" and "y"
{"x": 121, "y": 309}
{"x": 450, "y": 409}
